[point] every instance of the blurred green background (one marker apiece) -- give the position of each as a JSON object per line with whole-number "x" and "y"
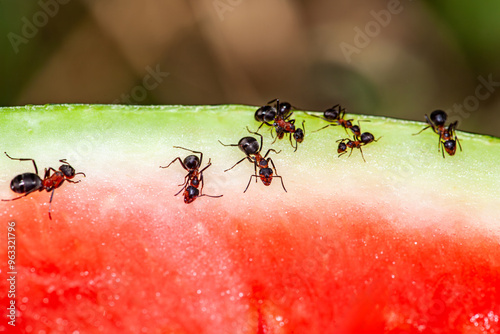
{"x": 395, "y": 58}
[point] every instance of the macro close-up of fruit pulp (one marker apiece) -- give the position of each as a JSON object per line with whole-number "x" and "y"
{"x": 403, "y": 238}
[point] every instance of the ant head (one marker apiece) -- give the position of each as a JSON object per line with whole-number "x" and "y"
{"x": 342, "y": 147}
{"x": 265, "y": 114}
{"x": 356, "y": 130}
{"x": 299, "y": 135}
{"x": 249, "y": 145}
{"x": 192, "y": 162}
{"x": 450, "y": 146}
{"x": 367, "y": 137}
{"x": 67, "y": 170}
{"x": 266, "y": 176}
{"x": 438, "y": 117}
{"x": 190, "y": 194}
{"x": 332, "y": 113}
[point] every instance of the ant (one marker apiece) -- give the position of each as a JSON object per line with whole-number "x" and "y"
{"x": 194, "y": 177}
{"x": 27, "y": 183}
{"x": 335, "y": 115}
{"x": 358, "y": 142}
{"x": 281, "y": 122}
{"x": 252, "y": 149}
{"x": 447, "y": 137}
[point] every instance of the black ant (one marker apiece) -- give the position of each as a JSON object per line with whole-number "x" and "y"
{"x": 194, "y": 177}
{"x": 335, "y": 115}
{"x": 280, "y": 115}
{"x": 27, "y": 183}
{"x": 252, "y": 149}
{"x": 447, "y": 137}
{"x": 358, "y": 142}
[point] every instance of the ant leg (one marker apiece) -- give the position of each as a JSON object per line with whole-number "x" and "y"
{"x": 317, "y": 116}
{"x": 208, "y": 165}
{"x": 271, "y": 131}
{"x": 50, "y": 202}
{"x": 271, "y": 150}
{"x": 324, "y": 127}
{"x": 187, "y": 149}
{"x": 201, "y": 189}
{"x": 341, "y": 112}
{"x": 227, "y": 144}
{"x": 458, "y": 141}
{"x": 345, "y": 128}
{"x": 239, "y": 163}
{"x": 76, "y": 175}
{"x": 186, "y": 178}
{"x": 421, "y": 130}
{"x": 291, "y": 143}
{"x": 275, "y": 138}
{"x": 428, "y": 121}
{"x": 248, "y": 185}
{"x": 352, "y": 148}
{"x": 261, "y": 124}
{"x": 23, "y": 159}
{"x": 362, "y": 154}
{"x": 258, "y": 134}
{"x": 451, "y": 131}
{"x": 342, "y": 153}
{"x": 255, "y": 169}
{"x": 184, "y": 187}
{"x": 64, "y": 161}
{"x": 178, "y": 158}
{"x": 13, "y": 199}
{"x": 202, "y": 183}
{"x": 431, "y": 125}
{"x": 274, "y": 167}
{"x": 213, "y": 196}
{"x": 282, "y": 184}
{"x": 201, "y": 174}
{"x": 47, "y": 172}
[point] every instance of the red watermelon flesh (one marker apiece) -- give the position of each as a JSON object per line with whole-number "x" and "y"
{"x": 407, "y": 242}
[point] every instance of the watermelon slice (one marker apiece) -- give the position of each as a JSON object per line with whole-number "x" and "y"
{"x": 406, "y": 242}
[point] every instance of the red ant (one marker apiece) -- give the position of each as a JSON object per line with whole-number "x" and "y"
{"x": 282, "y": 124}
{"x": 358, "y": 142}
{"x": 335, "y": 115}
{"x": 447, "y": 137}
{"x": 27, "y": 183}
{"x": 251, "y": 148}
{"x": 194, "y": 177}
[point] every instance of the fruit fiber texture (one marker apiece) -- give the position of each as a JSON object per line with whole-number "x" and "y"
{"x": 406, "y": 242}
